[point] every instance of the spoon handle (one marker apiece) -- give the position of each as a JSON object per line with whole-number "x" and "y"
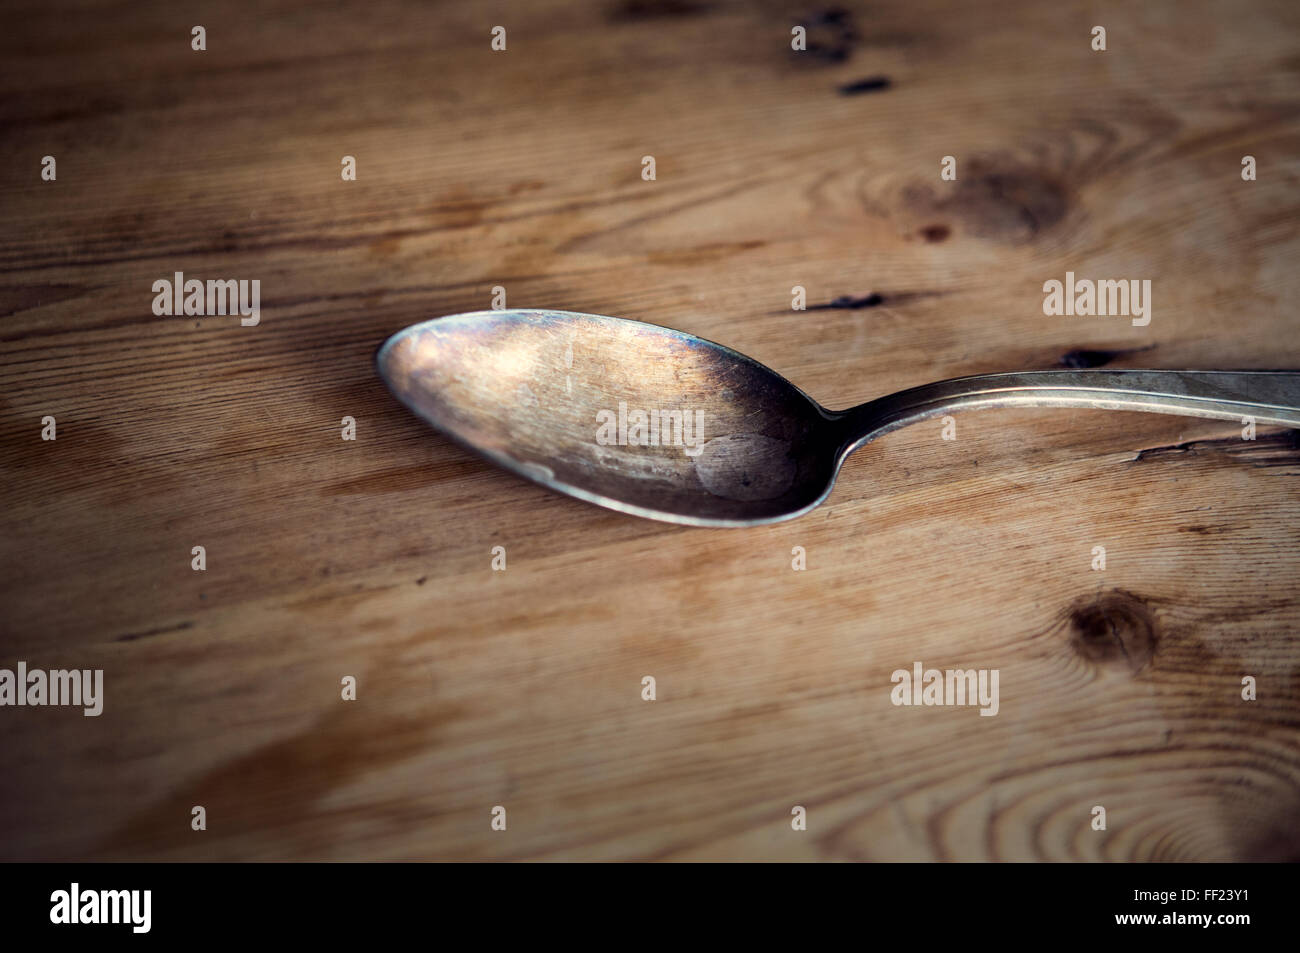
{"x": 1269, "y": 397}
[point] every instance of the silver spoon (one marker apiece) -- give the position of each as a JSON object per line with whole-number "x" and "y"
{"x": 662, "y": 424}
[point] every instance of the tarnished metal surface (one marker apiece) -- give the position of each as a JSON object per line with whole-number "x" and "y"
{"x": 662, "y": 424}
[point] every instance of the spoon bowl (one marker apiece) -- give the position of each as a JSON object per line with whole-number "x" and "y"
{"x": 659, "y": 423}
{"x": 632, "y": 416}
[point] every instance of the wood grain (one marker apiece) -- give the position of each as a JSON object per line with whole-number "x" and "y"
{"x": 522, "y": 688}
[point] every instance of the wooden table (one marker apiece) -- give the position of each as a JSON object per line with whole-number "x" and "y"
{"x": 325, "y": 558}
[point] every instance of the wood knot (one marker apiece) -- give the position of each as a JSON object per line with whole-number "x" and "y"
{"x": 1114, "y": 628}
{"x": 657, "y": 9}
{"x": 994, "y": 197}
{"x": 831, "y": 37}
{"x": 1087, "y": 357}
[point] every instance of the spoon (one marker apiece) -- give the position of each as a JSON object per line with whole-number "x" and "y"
{"x": 662, "y": 424}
